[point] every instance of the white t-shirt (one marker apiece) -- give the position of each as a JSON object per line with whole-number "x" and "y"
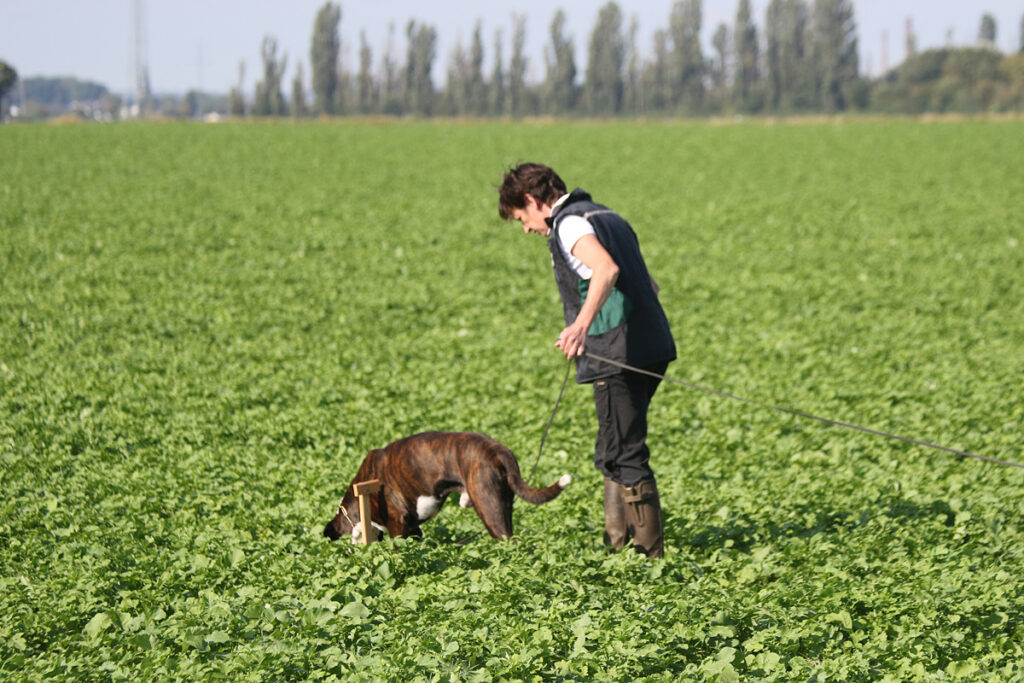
{"x": 570, "y": 230}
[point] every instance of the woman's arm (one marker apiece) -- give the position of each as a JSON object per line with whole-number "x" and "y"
{"x": 604, "y": 274}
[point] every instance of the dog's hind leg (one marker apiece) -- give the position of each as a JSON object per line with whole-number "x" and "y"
{"x": 492, "y": 499}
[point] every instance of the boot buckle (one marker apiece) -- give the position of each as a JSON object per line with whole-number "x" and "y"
{"x": 632, "y": 496}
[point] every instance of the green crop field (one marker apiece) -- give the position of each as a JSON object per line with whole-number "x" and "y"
{"x": 203, "y": 329}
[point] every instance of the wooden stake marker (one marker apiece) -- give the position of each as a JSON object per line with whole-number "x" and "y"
{"x": 365, "y": 490}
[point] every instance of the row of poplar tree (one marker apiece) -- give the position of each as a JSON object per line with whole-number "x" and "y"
{"x": 803, "y": 59}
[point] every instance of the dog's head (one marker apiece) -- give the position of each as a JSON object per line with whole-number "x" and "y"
{"x": 344, "y": 521}
{"x": 348, "y": 521}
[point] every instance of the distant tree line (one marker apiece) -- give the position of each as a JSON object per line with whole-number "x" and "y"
{"x": 50, "y": 96}
{"x": 41, "y": 97}
{"x": 802, "y": 58}
{"x": 8, "y": 77}
{"x": 63, "y": 91}
{"x": 967, "y": 80}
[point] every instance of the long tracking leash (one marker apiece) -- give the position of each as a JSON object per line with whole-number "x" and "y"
{"x": 761, "y": 404}
{"x": 788, "y": 411}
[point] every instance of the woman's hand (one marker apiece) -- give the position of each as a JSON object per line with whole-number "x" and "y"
{"x": 572, "y": 340}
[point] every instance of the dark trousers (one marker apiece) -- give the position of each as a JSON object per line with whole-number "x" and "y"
{"x": 621, "y": 452}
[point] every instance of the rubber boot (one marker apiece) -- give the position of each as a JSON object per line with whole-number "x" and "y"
{"x": 616, "y": 531}
{"x": 643, "y": 515}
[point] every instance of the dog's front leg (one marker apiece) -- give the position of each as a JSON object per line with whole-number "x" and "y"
{"x": 398, "y": 524}
{"x": 411, "y": 526}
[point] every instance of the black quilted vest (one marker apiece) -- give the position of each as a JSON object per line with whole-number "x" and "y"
{"x": 631, "y": 327}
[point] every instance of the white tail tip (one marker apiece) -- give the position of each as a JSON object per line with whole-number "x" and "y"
{"x": 564, "y": 480}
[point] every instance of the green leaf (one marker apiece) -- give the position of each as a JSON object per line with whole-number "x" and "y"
{"x": 962, "y": 669}
{"x": 842, "y": 618}
{"x": 728, "y": 675}
{"x": 97, "y": 625}
{"x": 355, "y": 610}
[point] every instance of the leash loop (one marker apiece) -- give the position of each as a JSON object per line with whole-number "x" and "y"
{"x": 565, "y": 381}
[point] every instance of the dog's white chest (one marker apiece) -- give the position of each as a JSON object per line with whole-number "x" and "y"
{"x": 427, "y": 507}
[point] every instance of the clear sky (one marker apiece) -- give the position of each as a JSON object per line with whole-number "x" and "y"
{"x": 199, "y": 43}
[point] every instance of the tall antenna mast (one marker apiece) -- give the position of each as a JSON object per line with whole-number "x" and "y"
{"x": 885, "y": 53}
{"x": 142, "y": 90}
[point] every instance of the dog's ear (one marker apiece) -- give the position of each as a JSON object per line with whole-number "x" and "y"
{"x": 375, "y": 459}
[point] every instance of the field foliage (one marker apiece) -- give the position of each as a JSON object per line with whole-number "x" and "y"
{"x": 204, "y": 328}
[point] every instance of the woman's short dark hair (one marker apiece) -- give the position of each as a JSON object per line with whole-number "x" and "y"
{"x": 537, "y": 180}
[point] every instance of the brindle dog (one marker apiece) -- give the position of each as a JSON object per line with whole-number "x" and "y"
{"x": 419, "y": 471}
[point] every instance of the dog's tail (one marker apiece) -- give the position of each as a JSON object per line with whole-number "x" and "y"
{"x": 527, "y": 492}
